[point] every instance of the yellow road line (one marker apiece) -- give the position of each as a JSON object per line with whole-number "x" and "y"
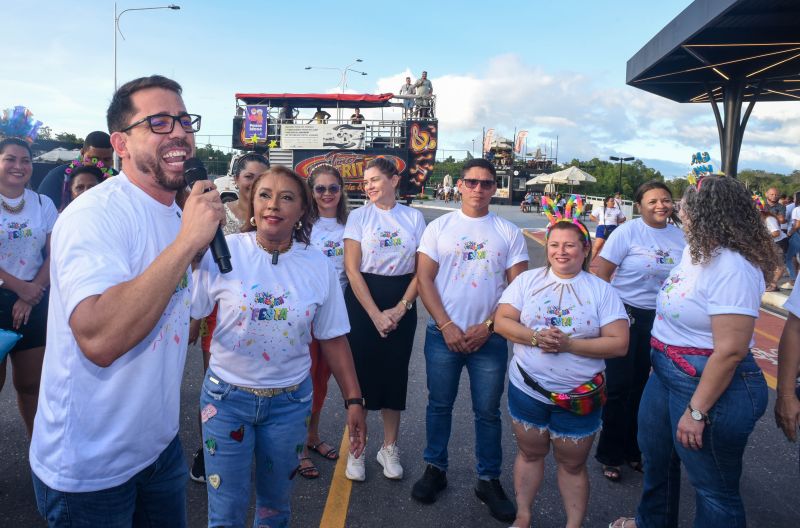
{"x": 335, "y": 513}
{"x": 771, "y": 380}
{"x": 530, "y": 235}
{"x": 767, "y": 335}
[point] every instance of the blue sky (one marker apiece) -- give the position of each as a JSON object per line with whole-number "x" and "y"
{"x": 555, "y": 68}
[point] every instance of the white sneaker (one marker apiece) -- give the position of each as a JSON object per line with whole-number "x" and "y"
{"x": 355, "y": 468}
{"x": 389, "y": 458}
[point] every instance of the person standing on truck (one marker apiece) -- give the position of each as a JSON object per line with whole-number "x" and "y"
{"x": 408, "y": 104}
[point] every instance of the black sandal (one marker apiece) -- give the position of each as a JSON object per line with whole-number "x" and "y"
{"x": 309, "y": 472}
{"x": 330, "y": 454}
{"x": 612, "y": 473}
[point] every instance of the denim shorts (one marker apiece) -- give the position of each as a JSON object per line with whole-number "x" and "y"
{"x": 560, "y": 423}
{"x": 604, "y": 231}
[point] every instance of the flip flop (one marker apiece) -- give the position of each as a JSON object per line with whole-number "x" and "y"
{"x": 612, "y": 473}
{"x": 636, "y": 466}
{"x": 624, "y": 520}
{"x": 330, "y": 454}
{"x": 309, "y": 472}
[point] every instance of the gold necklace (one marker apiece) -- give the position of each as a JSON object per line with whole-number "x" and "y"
{"x": 275, "y": 252}
{"x": 13, "y": 209}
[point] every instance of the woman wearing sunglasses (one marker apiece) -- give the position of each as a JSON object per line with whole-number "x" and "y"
{"x": 328, "y": 217}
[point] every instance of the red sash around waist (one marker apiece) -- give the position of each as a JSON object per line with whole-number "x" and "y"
{"x": 676, "y": 353}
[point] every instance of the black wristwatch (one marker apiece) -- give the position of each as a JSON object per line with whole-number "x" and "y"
{"x": 354, "y": 401}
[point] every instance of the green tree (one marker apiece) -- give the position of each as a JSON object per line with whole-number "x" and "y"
{"x": 45, "y": 132}
{"x": 68, "y": 137}
{"x": 215, "y": 160}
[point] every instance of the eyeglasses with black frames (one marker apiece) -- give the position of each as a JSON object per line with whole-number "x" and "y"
{"x": 333, "y": 189}
{"x": 472, "y": 183}
{"x": 165, "y": 123}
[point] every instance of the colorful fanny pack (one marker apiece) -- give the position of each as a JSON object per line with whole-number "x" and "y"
{"x": 581, "y": 401}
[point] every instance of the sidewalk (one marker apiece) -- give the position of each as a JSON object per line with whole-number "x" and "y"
{"x": 532, "y": 223}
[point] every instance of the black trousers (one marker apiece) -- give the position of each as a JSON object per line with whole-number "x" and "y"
{"x": 381, "y": 362}
{"x": 625, "y": 380}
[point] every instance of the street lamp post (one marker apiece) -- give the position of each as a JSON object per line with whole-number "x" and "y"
{"x": 620, "y": 160}
{"x": 117, "y": 16}
{"x": 343, "y": 71}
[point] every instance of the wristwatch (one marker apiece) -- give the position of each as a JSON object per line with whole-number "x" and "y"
{"x": 534, "y": 340}
{"x": 698, "y": 416}
{"x": 489, "y": 325}
{"x": 354, "y": 401}
{"x": 408, "y": 304}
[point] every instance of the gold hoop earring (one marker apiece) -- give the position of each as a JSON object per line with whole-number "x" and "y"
{"x": 253, "y": 221}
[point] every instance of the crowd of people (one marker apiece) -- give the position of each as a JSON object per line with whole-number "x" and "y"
{"x": 109, "y": 285}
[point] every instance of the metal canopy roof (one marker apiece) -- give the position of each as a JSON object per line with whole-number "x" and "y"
{"x": 712, "y": 41}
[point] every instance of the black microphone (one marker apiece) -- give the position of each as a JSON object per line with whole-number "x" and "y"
{"x": 194, "y": 171}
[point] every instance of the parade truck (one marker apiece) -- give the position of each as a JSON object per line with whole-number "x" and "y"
{"x": 515, "y": 168}
{"x": 303, "y": 131}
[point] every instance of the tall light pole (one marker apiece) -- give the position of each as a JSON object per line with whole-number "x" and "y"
{"x": 620, "y": 160}
{"x": 342, "y": 71}
{"x": 117, "y": 16}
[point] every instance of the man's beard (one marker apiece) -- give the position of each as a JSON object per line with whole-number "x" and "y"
{"x": 151, "y": 165}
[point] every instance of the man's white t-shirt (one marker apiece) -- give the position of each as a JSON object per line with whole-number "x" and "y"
{"x": 23, "y": 235}
{"x": 772, "y": 226}
{"x": 608, "y": 216}
{"x": 579, "y": 307}
{"x": 644, "y": 256}
{"x": 327, "y": 235}
{"x": 473, "y": 255}
{"x": 97, "y": 427}
{"x": 266, "y": 311}
{"x": 726, "y": 284}
{"x": 389, "y": 239}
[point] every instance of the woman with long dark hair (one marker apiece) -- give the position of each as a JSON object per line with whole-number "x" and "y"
{"x": 635, "y": 259}
{"x": 608, "y": 218}
{"x": 26, "y": 221}
{"x": 328, "y": 218}
{"x": 706, "y": 391}
{"x": 256, "y": 396}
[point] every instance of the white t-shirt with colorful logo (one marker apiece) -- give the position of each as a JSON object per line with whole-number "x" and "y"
{"x": 608, "y": 216}
{"x": 579, "y": 306}
{"x": 473, "y": 255}
{"x": 389, "y": 239}
{"x": 644, "y": 257}
{"x": 97, "y": 427}
{"x": 23, "y": 235}
{"x": 327, "y": 235}
{"x": 726, "y": 284}
{"x": 266, "y": 311}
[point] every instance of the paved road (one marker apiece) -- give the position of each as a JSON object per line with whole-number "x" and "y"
{"x": 769, "y": 483}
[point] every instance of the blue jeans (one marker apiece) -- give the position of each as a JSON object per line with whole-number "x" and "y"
{"x": 792, "y": 251}
{"x": 243, "y": 426}
{"x": 154, "y": 497}
{"x": 715, "y": 470}
{"x": 487, "y": 372}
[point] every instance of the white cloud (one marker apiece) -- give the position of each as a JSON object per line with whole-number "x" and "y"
{"x": 595, "y": 120}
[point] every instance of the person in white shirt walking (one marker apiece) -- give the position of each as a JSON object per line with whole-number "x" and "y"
{"x": 105, "y": 448}
{"x": 467, "y": 254}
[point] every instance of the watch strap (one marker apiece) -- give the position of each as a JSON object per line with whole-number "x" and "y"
{"x": 354, "y": 401}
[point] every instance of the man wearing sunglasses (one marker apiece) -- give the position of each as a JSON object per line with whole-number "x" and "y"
{"x": 467, "y": 254}
{"x": 105, "y": 449}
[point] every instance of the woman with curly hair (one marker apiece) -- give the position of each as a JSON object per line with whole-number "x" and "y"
{"x": 706, "y": 391}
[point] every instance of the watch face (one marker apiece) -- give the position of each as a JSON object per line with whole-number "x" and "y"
{"x": 697, "y": 415}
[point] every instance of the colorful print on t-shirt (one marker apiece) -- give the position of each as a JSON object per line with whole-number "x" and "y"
{"x": 332, "y": 248}
{"x": 389, "y": 239}
{"x": 474, "y": 250}
{"x": 663, "y": 258}
{"x": 672, "y": 292}
{"x": 16, "y": 230}
{"x": 275, "y": 309}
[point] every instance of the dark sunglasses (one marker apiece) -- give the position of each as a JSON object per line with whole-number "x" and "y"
{"x": 472, "y": 183}
{"x": 333, "y": 189}
{"x": 165, "y": 123}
